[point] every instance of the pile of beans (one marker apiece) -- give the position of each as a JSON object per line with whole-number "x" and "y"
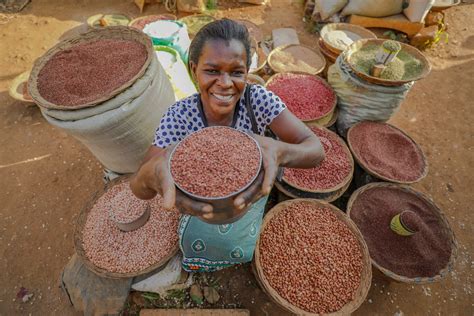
{"x": 215, "y": 162}
{"x": 423, "y": 254}
{"x": 386, "y": 151}
{"x": 126, "y": 208}
{"x": 109, "y": 248}
{"x": 331, "y": 172}
{"x": 306, "y": 96}
{"x": 86, "y": 72}
{"x": 311, "y": 258}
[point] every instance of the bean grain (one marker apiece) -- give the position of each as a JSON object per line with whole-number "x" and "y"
{"x": 311, "y": 258}
{"x": 109, "y": 248}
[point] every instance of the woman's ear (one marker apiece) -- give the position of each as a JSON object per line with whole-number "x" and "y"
{"x": 192, "y": 70}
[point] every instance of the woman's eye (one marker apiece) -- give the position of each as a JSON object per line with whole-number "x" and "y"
{"x": 238, "y": 73}
{"x": 212, "y": 71}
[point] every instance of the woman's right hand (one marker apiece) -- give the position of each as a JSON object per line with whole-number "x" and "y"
{"x": 154, "y": 177}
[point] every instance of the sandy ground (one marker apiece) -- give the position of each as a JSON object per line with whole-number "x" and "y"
{"x": 47, "y": 176}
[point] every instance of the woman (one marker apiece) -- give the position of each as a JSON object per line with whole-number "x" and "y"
{"x": 219, "y": 60}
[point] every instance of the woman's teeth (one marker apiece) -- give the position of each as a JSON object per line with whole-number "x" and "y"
{"x": 224, "y": 98}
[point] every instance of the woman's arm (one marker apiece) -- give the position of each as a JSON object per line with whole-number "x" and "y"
{"x": 298, "y": 147}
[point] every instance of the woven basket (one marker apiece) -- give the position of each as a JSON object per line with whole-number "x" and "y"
{"x": 255, "y": 79}
{"x": 376, "y": 174}
{"x": 254, "y": 29}
{"x": 356, "y": 29}
{"x": 165, "y": 16}
{"x": 191, "y": 21}
{"x": 92, "y": 20}
{"x": 316, "y": 59}
{"x": 81, "y": 221}
{"x": 328, "y": 195}
{"x": 446, "y": 230}
{"x": 320, "y": 121}
{"x": 366, "y": 277}
{"x": 262, "y": 57}
{"x": 17, "y": 87}
{"x": 111, "y": 32}
{"x": 354, "y": 47}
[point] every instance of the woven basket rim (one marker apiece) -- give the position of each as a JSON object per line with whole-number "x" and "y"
{"x": 283, "y": 47}
{"x": 90, "y": 20}
{"x": 351, "y": 49}
{"x": 110, "y": 32}
{"x": 81, "y": 221}
{"x": 255, "y": 26}
{"x": 376, "y": 174}
{"x": 441, "y": 216}
{"x": 331, "y": 56}
{"x": 194, "y": 16}
{"x": 366, "y": 275}
{"x": 19, "y": 80}
{"x": 172, "y": 16}
{"x": 357, "y": 29}
{"x": 327, "y": 197}
{"x": 344, "y": 182}
{"x": 322, "y": 80}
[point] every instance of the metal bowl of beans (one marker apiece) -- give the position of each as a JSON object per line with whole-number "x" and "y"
{"x": 214, "y": 165}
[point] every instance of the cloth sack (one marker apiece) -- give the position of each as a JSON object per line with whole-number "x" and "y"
{"x": 373, "y": 8}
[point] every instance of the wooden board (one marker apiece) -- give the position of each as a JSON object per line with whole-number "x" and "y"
{"x": 194, "y": 312}
{"x": 396, "y": 22}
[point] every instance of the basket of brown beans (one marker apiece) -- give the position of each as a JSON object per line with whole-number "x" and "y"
{"x": 88, "y": 69}
{"x": 215, "y": 164}
{"x": 327, "y": 181}
{"x": 387, "y": 153}
{"x": 408, "y": 236}
{"x": 311, "y": 259}
{"x": 120, "y": 236}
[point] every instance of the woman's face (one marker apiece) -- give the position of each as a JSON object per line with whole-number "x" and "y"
{"x": 221, "y": 74}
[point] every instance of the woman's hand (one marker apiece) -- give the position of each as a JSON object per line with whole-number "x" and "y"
{"x": 264, "y": 182}
{"x": 155, "y": 177}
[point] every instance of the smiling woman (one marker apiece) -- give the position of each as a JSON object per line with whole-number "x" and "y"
{"x": 219, "y": 62}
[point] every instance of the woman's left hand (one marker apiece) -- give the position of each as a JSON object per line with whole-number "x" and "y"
{"x": 264, "y": 182}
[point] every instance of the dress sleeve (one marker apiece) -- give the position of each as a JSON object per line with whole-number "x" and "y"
{"x": 171, "y": 130}
{"x": 266, "y": 105}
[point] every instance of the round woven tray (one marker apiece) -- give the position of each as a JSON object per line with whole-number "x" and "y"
{"x": 311, "y": 56}
{"x": 320, "y": 121}
{"x": 255, "y": 79}
{"x": 262, "y": 57}
{"x": 81, "y": 221}
{"x": 366, "y": 277}
{"x": 446, "y": 230}
{"x": 440, "y": 5}
{"x": 17, "y": 88}
{"x": 329, "y": 195}
{"x": 376, "y": 174}
{"x": 191, "y": 21}
{"x": 330, "y": 55}
{"x": 356, "y": 29}
{"x": 111, "y": 32}
{"x": 254, "y": 29}
{"x": 93, "y": 21}
{"x": 165, "y": 16}
{"x": 354, "y": 47}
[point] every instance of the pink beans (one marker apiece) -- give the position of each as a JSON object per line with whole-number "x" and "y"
{"x": 126, "y": 208}
{"x": 215, "y": 162}
{"x": 111, "y": 249}
{"x": 311, "y": 258}
{"x": 89, "y": 71}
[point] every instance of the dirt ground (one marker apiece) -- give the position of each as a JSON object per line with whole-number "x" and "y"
{"x": 47, "y": 176}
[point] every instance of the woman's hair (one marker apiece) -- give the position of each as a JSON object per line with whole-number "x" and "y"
{"x": 223, "y": 29}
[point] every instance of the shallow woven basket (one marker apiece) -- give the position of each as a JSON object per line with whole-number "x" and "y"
{"x": 262, "y": 57}
{"x": 377, "y": 175}
{"x": 194, "y": 18}
{"x": 446, "y": 230}
{"x": 354, "y": 47}
{"x": 255, "y": 79}
{"x": 320, "y": 121}
{"x": 366, "y": 277}
{"x": 93, "y": 19}
{"x": 329, "y": 195}
{"x": 254, "y": 29}
{"x": 359, "y": 30}
{"x": 81, "y": 221}
{"x": 165, "y": 16}
{"x": 318, "y": 60}
{"x": 110, "y": 32}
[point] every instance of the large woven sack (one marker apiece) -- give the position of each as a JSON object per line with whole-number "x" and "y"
{"x": 359, "y": 100}
{"x": 192, "y": 6}
{"x": 119, "y": 131}
{"x": 373, "y": 8}
{"x": 328, "y": 8}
